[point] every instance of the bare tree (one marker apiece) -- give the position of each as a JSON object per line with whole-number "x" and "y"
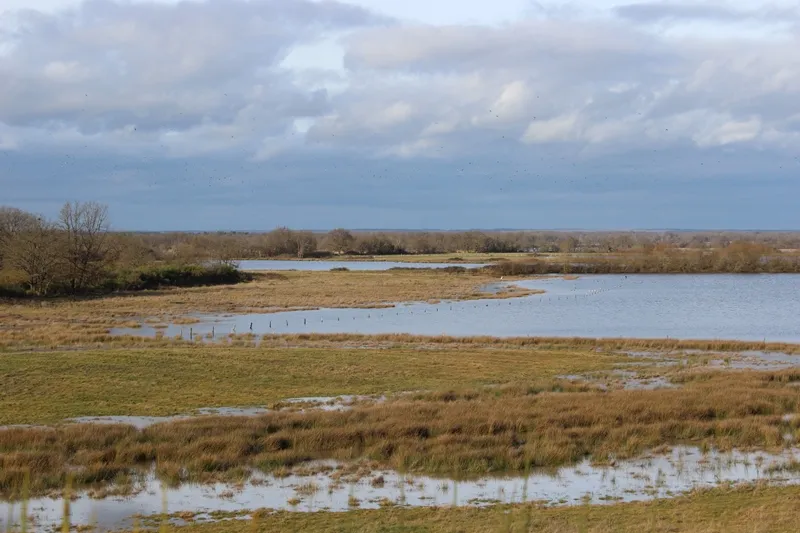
{"x": 227, "y": 252}
{"x": 13, "y": 221}
{"x": 86, "y": 246}
{"x": 568, "y": 244}
{"x": 340, "y": 240}
{"x": 35, "y": 251}
{"x": 304, "y": 242}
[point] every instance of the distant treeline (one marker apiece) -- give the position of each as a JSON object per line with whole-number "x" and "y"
{"x": 78, "y": 254}
{"x": 285, "y": 242}
{"x": 738, "y": 257}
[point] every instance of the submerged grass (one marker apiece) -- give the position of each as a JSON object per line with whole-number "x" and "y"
{"x": 752, "y": 509}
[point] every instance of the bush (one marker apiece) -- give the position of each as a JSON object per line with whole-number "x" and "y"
{"x": 521, "y": 268}
{"x": 275, "y": 276}
{"x": 12, "y": 283}
{"x": 154, "y": 277}
{"x": 454, "y": 270}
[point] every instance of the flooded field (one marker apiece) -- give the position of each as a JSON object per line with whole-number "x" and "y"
{"x": 730, "y": 307}
{"x": 334, "y": 487}
{"x": 296, "y": 405}
{"x": 270, "y": 264}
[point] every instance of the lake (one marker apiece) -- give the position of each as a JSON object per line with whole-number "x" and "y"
{"x": 276, "y": 264}
{"x": 731, "y": 307}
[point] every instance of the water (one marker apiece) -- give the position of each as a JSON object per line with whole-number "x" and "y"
{"x": 312, "y": 403}
{"x": 266, "y": 264}
{"x": 623, "y": 379}
{"x": 142, "y": 422}
{"x": 682, "y": 470}
{"x": 730, "y": 307}
{"x": 756, "y": 360}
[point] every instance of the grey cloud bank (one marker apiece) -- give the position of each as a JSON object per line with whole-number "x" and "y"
{"x": 186, "y": 115}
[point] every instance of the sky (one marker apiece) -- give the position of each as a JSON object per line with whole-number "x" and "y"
{"x": 414, "y": 114}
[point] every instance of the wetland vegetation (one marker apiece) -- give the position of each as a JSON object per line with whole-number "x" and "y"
{"x": 257, "y": 409}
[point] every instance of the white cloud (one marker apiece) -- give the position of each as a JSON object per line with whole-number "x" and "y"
{"x": 396, "y": 113}
{"x": 725, "y": 130}
{"x": 190, "y": 77}
{"x": 417, "y": 148}
{"x": 583, "y": 80}
{"x": 561, "y": 128}
{"x": 239, "y": 76}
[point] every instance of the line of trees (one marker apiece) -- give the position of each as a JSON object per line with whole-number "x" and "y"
{"x": 77, "y": 253}
{"x": 285, "y": 242}
{"x": 737, "y": 257}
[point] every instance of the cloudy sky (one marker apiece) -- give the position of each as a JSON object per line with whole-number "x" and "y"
{"x": 451, "y": 114}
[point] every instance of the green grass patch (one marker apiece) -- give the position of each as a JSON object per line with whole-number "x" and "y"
{"x": 47, "y": 387}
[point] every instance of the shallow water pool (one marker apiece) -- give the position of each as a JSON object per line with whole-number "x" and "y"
{"x": 730, "y": 307}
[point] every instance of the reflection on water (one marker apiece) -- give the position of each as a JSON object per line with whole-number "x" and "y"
{"x": 142, "y": 422}
{"x": 732, "y": 307}
{"x": 266, "y": 264}
{"x": 756, "y": 360}
{"x": 680, "y": 471}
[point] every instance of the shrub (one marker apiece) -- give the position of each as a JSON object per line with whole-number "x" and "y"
{"x": 154, "y": 277}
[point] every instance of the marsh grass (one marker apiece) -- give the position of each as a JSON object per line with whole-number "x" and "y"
{"x": 483, "y": 405}
{"x": 87, "y": 321}
{"x": 142, "y": 381}
{"x": 750, "y": 509}
{"x": 494, "y": 430}
{"x": 666, "y": 346}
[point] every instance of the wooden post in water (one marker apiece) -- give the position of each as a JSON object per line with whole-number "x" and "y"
{"x": 191, "y": 334}
{"x": 66, "y": 517}
{"x": 162, "y": 526}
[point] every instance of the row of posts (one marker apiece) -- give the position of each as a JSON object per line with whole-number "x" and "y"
{"x": 338, "y": 319}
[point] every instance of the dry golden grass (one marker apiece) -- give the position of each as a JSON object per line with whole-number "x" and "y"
{"x": 567, "y": 343}
{"x": 753, "y": 509}
{"x": 87, "y": 321}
